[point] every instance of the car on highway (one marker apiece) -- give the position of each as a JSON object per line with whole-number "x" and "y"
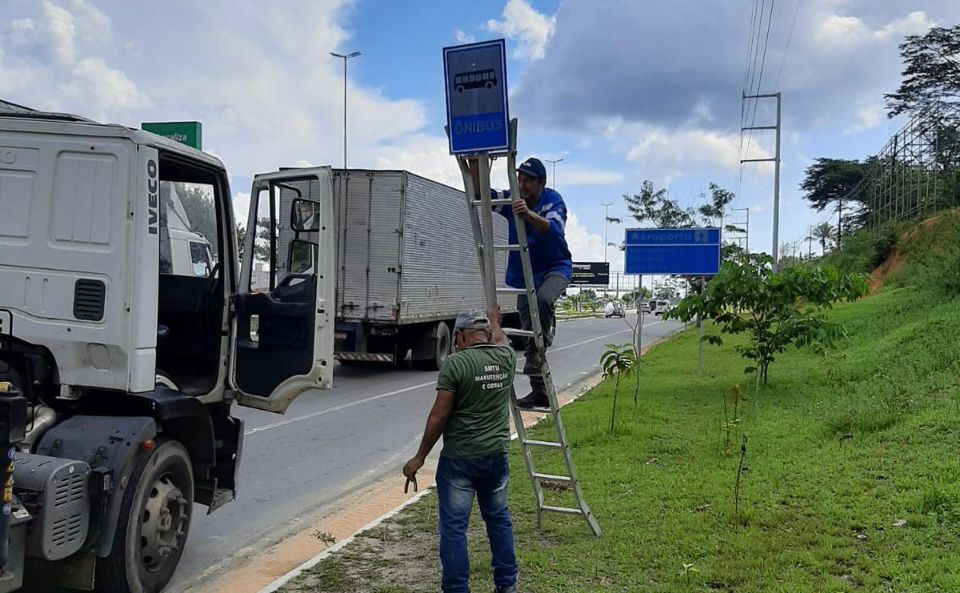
{"x": 644, "y": 308}
{"x": 614, "y": 310}
{"x": 660, "y": 307}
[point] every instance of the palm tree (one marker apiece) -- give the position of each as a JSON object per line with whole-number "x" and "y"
{"x": 615, "y": 361}
{"x": 824, "y": 232}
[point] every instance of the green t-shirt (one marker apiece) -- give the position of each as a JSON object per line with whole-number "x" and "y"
{"x": 480, "y": 378}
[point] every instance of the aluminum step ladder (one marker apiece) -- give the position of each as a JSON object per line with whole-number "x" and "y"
{"x": 481, "y": 217}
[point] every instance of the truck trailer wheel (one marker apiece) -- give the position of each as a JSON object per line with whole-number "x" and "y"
{"x": 440, "y": 344}
{"x": 153, "y": 524}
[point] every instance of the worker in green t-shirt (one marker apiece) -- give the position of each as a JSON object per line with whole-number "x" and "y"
{"x": 472, "y": 412}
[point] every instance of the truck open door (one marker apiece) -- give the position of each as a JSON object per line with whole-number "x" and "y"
{"x": 284, "y": 310}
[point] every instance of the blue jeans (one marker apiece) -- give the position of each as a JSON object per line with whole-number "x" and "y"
{"x": 457, "y": 481}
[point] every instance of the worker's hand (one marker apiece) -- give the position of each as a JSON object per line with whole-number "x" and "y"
{"x": 494, "y": 315}
{"x": 520, "y": 208}
{"x": 411, "y": 467}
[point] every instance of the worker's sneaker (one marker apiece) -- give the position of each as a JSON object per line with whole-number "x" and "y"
{"x": 533, "y": 400}
{"x": 507, "y": 589}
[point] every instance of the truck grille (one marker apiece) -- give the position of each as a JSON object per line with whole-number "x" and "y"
{"x": 88, "y": 300}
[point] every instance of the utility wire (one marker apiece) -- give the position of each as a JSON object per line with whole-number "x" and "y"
{"x": 786, "y": 48}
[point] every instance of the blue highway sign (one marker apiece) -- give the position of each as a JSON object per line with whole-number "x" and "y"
{"x": 478, "y": 114}
{"x": 680, "y": 252}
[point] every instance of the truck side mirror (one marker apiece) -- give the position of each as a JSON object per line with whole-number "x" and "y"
{"x": 304, "y": 216}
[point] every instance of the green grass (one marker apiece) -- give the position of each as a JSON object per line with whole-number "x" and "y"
{"x": 850, "y": 479}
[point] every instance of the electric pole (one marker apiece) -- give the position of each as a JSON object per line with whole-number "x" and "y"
{"x": 776, "y": 171}
{"x": 554, "y": 163}
{"x": 606, "y": 223}
{"x": 345, "y": 57}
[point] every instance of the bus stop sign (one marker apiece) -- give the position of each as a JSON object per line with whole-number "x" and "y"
{"x": 476, "y": 91}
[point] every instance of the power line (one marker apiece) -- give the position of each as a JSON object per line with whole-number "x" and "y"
{"x": 749, "y": 70}
{"x": 763, "y": 62}
{"x": 786, "y": 48}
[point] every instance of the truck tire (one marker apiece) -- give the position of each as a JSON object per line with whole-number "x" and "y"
{"x": 153, "y": 524}
{"x": 441, "y": 348}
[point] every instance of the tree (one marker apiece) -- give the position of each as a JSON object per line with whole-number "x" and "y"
{"x": 654, "y": 206}
{"x": 829, "y": 182}
{"x": 261, "y": 246}
{"x": 931, "y": 73}
{"x": 824, "y": 233}
{"x": 774, "y": 309}
{"x": 713, "y": 211}
{"x": 616, "y": 361}
{"x": 201, "y": 212}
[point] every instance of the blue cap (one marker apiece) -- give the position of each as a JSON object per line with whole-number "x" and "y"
{"x": 534, "y": 168}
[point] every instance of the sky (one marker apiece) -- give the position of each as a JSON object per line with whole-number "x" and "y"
{"x": 622, "y": 90}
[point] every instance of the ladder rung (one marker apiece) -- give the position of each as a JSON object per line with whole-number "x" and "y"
{"x": 494, "y": 202}
{"x": 564, "y": 510}
{"x": 511, "y": 290}
{"x": 553, "y": 478}
{"x": 510, "y": 331}
{"x": 508, "y": 247}
{"x": 535, "y": 410}
{"x": 549, "y": 444}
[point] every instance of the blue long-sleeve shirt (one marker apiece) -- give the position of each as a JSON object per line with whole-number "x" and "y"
{"x": 548, "y": 252}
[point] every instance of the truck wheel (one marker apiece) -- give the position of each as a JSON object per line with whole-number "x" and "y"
{"x": 153, "y": 524}
{"x": 441, "y": 348}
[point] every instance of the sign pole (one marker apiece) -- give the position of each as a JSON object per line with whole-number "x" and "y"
{"x": 700, "y": 332}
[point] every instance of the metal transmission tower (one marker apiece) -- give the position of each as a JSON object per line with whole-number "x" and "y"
{"x": 776, "y": 170}
{"x": 906, "y": 180}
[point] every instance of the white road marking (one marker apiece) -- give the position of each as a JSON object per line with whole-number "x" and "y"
{"x": 336, "y": 408}
{"x": 599, "y": 338}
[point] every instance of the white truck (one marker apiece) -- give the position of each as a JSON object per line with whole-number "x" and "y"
{"x": 119, "y": 366}
{"x": 405, "y": 258}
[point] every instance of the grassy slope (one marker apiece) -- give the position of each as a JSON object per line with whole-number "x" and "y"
{"x": 840, "y": 447}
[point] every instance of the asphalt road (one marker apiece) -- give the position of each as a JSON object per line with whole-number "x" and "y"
{"x": 330, "y": 443}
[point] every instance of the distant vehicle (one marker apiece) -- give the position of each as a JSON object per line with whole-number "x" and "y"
{"x": 661, "y": 307}
{"x": 644, "y": 308}
{"x": 614, "y": 310}
{"x": 475, "y": 80}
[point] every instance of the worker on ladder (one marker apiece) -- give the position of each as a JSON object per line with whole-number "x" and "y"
{"x": 545, "y": 214}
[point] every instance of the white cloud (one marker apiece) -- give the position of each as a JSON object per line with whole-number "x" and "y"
{"x": 670, "y": 153}
{"x": 61, "y": 60}
{"x": 20, "y": 30}
{"x": 587, "y": 246}
{"x": 915, "y": 23}
{"x": 527, "y": 26}
{"x": 586, "y": 177}
{"x": 464, "y": 37}
{"x": 867, "y": 118}
{"x": 241, "y": 207}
